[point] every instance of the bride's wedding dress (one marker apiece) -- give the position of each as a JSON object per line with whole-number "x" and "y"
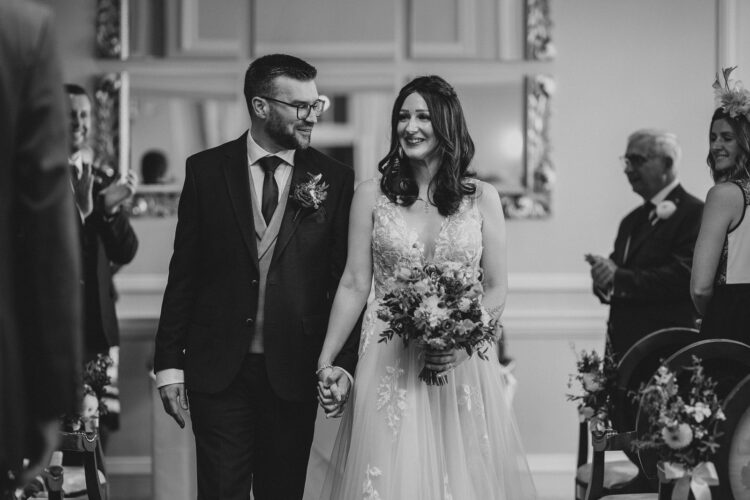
{"x": 401, "y": 439}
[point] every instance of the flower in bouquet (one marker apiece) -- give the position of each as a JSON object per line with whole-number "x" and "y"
{"x": 682, "y": 421}
{"x": 437, "y": 306}
{"x": 596, "y": 377}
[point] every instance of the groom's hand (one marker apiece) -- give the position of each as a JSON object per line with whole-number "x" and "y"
{"x": 333, "y": 391}
{"x": 174, "y": 399}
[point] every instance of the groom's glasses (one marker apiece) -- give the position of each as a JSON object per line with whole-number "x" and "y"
{"x": 303, "y": 110}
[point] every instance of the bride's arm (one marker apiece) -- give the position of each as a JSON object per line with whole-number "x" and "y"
{"x": 494, "y": 255}
{"x": 354, "y": 286}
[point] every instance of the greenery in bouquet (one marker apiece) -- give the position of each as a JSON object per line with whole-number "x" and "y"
{"x": 682, "y": 422}
{"x": 438, "y": 307}
{"x": 95, "y": 381}
{"x": 596, "y": 377}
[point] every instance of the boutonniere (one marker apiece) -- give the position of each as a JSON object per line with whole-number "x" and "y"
{"x": 663, "y": 211}
{"x": 310, "y": 194}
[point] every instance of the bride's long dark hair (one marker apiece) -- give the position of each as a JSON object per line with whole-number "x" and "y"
{"x": 455, "y": 149}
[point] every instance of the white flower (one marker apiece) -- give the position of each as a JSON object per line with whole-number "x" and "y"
{"x": 665, "y": 209}
{"x": 590, "y": 382}
{"x": 679, "y": 437}
{"x": 699, "y": 412}
{"x": 431, "y": 311}
{"x": 464, "y": 304}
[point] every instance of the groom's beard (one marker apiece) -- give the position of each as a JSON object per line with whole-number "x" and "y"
{"x": 294, "y": 135}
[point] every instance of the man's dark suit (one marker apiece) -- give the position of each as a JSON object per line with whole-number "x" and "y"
{"x": 210, "y": 302}
{"x": 106, "y": 241}
{"x": 652, "y": 282}
{"x": 40, "y": 300}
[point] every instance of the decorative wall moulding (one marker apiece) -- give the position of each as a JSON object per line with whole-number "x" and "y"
{"x": 112, "y": 122}
{"x": 539, "y": 46}
{"x": 539, "y": 175}
{"x": 112, "y": 29}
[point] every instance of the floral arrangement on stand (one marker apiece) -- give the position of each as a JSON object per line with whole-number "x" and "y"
{"x": 682, "y": 429}
{"x": 438, "y": 307}
{"x": 95, "y": 382}
{"x": 596, "y": 377}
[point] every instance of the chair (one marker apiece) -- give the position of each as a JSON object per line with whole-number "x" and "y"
{"x": 725, "y": 361}
{"x": 86, "y": 482}
{"x": 733, "y": 458}
{"x": 636, "y": 367}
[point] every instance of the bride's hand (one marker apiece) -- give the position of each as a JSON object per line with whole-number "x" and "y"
{"x": 444, "y": 361}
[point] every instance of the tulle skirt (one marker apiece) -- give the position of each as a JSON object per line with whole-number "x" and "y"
{"x": 401, "y": 439}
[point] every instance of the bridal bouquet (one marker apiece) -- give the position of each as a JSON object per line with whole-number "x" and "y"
{"x": 438, "y": 307}
{"x": 597, "y": 376}
{"x": 682, "y": 426}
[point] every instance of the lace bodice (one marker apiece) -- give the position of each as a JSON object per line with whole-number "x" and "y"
{"x": 395, "y": 244}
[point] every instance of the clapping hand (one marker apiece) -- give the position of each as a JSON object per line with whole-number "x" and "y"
{"x": 117, "y": 192}
{"x": 333, "y": 391}
{"x": 602, "y": 271}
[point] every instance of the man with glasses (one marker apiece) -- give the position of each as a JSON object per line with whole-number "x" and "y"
{"x": 646, "y": 279}
{"x": 259, "y": 249}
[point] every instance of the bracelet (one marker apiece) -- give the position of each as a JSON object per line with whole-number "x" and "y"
{"x": 322, "y": 368}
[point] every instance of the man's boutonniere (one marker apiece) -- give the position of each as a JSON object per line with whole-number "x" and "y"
{"x": 310, "y": 194}
{"x": 663, "y": 211}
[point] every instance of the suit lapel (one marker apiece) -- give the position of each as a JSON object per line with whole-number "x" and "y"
{"x": 237, "y": 176}
{"x": 289, "y": 224}
{"x": 636, "y": 242}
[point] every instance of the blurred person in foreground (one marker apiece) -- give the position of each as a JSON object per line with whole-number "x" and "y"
{"x": 646, "y": 279}
{"x": 40, "y": 267}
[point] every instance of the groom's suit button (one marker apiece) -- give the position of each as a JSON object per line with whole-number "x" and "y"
{"x": 254, "y": 282}
{"x": 249, "y": 321}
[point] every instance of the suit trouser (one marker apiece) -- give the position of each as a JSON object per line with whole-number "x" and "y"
{"x": 246, "y": 436}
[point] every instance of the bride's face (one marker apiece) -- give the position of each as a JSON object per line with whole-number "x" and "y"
{"x": 414, "y": 128}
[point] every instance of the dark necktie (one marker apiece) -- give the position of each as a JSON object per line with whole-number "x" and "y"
{"x": 270, "y": 188}
{"x": 643, "y": 221}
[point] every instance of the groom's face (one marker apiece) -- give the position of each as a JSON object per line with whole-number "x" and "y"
{"x": 283, "y": 127}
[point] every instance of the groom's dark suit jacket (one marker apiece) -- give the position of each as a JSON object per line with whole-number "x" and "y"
{"x": 652, "y": 282}
{"x": 210, "y": 302}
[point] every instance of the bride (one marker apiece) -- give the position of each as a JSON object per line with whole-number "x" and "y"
{"x": 401, "y": 439}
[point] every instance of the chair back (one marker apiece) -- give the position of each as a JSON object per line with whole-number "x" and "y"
{"x": 727, "y": 362}
{"x": 637, "y": 366}
{"x": 733, "y": 457}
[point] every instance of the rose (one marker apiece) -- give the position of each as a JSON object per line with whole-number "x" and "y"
{"x": 665, "y": 209}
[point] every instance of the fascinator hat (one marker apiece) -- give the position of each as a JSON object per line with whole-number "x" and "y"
{"x": 731, "y": 96}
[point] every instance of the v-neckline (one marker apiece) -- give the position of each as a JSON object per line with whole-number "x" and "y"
{"x": 420, "y": 245}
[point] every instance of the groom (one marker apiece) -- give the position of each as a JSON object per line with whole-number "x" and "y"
{"x": 259, "y": 249}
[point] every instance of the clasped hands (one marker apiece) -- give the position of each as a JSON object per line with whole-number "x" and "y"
{"x": 602, "y": 271}
{"x": 334, "y": 384}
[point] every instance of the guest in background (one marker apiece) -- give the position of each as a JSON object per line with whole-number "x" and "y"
{"x": 153, "y": 167}
{"x": 720, "y": 281}
{"x": 107, "y": 240}
{"x": 40, "y": 299}
{"x": 646, "y": 279}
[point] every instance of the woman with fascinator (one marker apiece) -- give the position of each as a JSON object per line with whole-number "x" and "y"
{"x": 401, "y": 438}
{"x": 720, "y": 282}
